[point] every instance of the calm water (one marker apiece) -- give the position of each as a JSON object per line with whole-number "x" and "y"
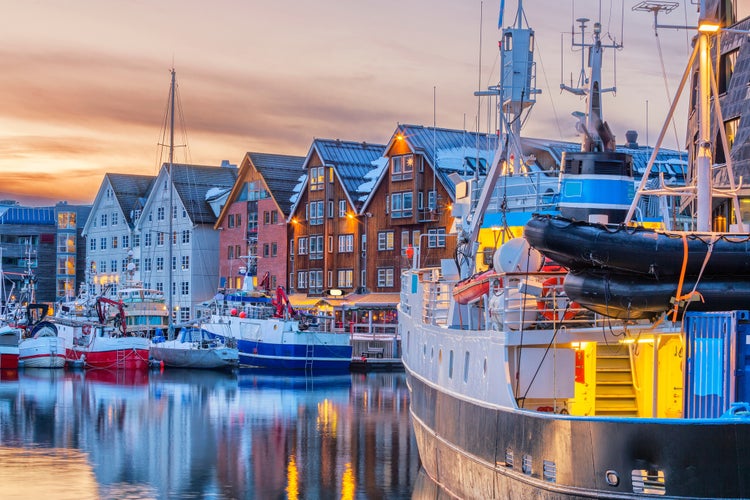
{"x": 186, "y": 434}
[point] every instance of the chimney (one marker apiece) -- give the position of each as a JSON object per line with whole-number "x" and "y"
{"x": 631, "y": 136}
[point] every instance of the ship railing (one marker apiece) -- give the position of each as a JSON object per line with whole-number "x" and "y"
{"x": 436, "y": 298}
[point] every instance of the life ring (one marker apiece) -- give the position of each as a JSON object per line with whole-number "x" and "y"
{"x": 86, "y": 329}
{"x": 496, "y": 285}
{"x": 544, "y": 303}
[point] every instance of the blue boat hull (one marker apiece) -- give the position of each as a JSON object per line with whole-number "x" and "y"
{"x": 294, "y": 356}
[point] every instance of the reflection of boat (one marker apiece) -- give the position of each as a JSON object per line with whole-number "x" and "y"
{"x": 473, "y": 287}
{"x": 195, "y": 348}
{"x": 269, "y": 334}
{"x": 560, "y": 405}
{"x": 44, "y": 349}
{"x": 117, "y": 377}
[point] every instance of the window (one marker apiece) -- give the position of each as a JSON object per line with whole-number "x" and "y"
{"x": 104, "y": 220}
{"x": 436, "y": 238}
{"x": 174, "y": 212}
{"x": 160, "y": 263}
{"x": 136, "y": 215}
{"x": 302, "y": 244}
{"x": 330, "y": 244}
{"x": 185, "y": 314}
{"x": 316, "y": 247}
{"x": 342, "y": 208}
{"x": 385, "y": 240}
{"x": 66, "y": 243}
{"x": 185, "y": 262}
{"x": 147, "y": 240}
{"x": 330, "y": 209}
{"x": 317, "y": 178}
{"x": 174, "y": 263}
{"x": 230, "y": 221}
{"x": 160, "y": 286}
{"x": 385, "y": 277}
{"x": 266, "y": 250}
{"x": 174, "y": 288}
{"x": 402, "y": 205}
{"x": 160, "y": 213}
{"x": 114, "y": 218}
{"x": 420, "y": 200}
{"x": 114, "y": 241}
{"x": 184, "y": 213}
{"x": 726, "y": 69}
{"x": 431, "y": 199}
{"x": 174, "y": 237}
{"x": 330, "y": 175}
{"x": 147, "y": 264}
{"x": 186, "y": 236}
{"x": 291, "y": 281}
{"x": 230, "y": 252}
{"x": 329, "y": 279}
{"x": 252, "y": 222}
{"x": 160, "y": 239}
{"x": 125, "y": 241}
{"x": 316, "y": 281}
{"x": 402, "y": 167}
{"x": 274, "y": 249}
{"x": 316, "y": 213}
{"x": 102, "y": 243}
{"x": 302, "y": 279}
{"x": 92, "y": 244}
{"x": 136, "y": 240}
{"x": 345, "y": 278}
{"x": 404, "y": 240}
{"x": 238, "y": 251}
{"x": 185, "y": 288}
{"x": 113, "y": 266}
{"x": 291, "y": 248}
{"x": 103, "y": 266}
{"x": 346, "y": 243}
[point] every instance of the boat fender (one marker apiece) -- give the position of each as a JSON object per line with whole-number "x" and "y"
{"x": 544, "y": 303}
{"x": 738, "y": 410}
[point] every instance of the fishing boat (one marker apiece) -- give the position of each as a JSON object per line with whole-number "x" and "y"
{"x": 9, "y": 337}
{"x": 94, "y": 337}
{"x": 43, "y": 348}
{"x": 270, "y": 333}
{"x": 195, "y": 348}
{"x": 508, "y": 402}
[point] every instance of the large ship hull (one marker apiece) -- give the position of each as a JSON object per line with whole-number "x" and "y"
{"x": 279, "y": 344}
{"x": 475, "y": 444}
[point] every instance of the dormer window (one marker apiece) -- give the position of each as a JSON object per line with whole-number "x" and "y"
{"x": 402, "y": 167}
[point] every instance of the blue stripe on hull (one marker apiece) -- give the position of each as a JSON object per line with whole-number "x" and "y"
{"x": 294, "y": 356}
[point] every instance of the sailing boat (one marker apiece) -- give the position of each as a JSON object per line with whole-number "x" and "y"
{"x": 192, "y": 347}
{"x": 512, "y": 396}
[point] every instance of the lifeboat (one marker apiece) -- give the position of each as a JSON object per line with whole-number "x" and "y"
{"x": 473, "y": 287}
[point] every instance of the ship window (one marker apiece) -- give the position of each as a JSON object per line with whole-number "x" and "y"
{"x": 424, "y": 351}
{"x": 432, "y": 353}
{"x": 484, "y": 368}
{"x": 450, "y": 364}
{"x": 466, "y": 367}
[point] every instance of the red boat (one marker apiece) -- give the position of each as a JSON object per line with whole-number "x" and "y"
{"x": 473, "y": 287}
{"x": 9, "y": 338}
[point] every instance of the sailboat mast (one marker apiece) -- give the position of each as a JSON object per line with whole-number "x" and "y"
{"x": 170, "y": 241}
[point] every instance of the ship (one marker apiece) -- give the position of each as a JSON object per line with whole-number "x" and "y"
{"x": 527, "y": 391}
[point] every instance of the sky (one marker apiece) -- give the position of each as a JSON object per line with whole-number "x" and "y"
{"x": 84, "y": 84}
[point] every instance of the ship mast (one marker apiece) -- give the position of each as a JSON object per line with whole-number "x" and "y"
{"x": 170, "y": 242}
{"x": 701, "y": 190}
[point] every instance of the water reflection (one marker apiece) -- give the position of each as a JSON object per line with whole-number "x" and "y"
{"x": 187, "y": 434}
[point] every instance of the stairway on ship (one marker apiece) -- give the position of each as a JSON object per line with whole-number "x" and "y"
{"x": 615, "y": 393}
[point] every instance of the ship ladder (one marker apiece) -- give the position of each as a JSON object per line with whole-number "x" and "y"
{"x": 615, "y": 391}
{"x": 120, "y": 363}
{"x": 309, "y": 353}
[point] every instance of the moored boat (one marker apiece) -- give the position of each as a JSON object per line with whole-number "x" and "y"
{"x": 9, "y": 338}
{"x": 195, "y": 348}
{"x": 43, "y": 349}
{"x": 512, "y": 399}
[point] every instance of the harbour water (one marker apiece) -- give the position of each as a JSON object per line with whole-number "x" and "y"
{"x": 190, "y": 434}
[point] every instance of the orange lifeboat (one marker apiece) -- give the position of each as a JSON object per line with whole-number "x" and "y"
{"x": 473, "y": 287}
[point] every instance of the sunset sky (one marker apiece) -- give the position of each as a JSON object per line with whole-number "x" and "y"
{"x": 84, "y": 84}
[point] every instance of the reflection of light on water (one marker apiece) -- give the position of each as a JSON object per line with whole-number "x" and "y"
{"x": 292, "y": 479}
{"x": 348, "y": 483}
{"x": 328, "y": 418}
{"x": 40, "y": 473}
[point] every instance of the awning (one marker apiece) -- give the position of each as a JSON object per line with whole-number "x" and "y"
{"x": 373, "y": 300}
{"x": 302, "y": 301}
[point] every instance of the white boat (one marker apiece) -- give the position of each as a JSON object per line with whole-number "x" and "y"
{"x": 523, "y": 394}
{"x": 43, "y": 349}
{"x": 195, "y": 348}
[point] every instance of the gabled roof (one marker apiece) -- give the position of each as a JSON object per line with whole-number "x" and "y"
{"x": 351, "y": 162}
{"x": 193, "y": 182}
{"x": 130, "y": 191}
{"x": 280, "y": 173}
{"x": 446, "y": 151}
